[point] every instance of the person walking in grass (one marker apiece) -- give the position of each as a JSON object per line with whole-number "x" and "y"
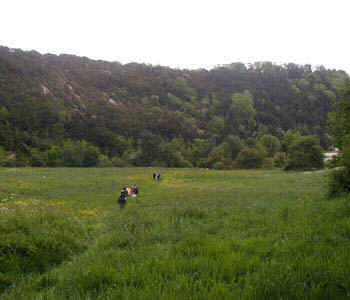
{"x": 122, "y": 198}
{"x": 129, "y": 190}
{"x": 156, "y": 176}
{"x": 134, "y": 190}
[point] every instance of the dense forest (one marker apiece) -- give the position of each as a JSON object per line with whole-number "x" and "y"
{"x": 73, "y": 111}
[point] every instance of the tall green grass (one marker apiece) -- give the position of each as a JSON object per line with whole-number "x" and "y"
{"x": 197, "y": 234}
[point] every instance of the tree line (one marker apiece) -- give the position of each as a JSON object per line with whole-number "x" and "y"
{"x": 138, "y": 114}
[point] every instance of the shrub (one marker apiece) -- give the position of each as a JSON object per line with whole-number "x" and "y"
{"x": 305, "y": 154}
{"x": 202, "y": 163}
{"x": 218, "y": 154}
{"x": 340, "y": 128}
{"x": 250, "y": 159}
{"x": 280, "y": 159}
{"x": 38, "y": 158}
{"x": 55, "y": 156}
{"x": 186, "y": 164}
{"x": 219, "y": 165}
{"x": 288, "y": 139}
{"x": 224, "y": 164}
{"x": 9, "y": 160}
{"x": 251, "y": 142}
{"x": 2, "y": 154}
{"x": 268, "y": 163}
{"x": 271, "y": 144}
{"x": 339, "y": 182}
{"x": 14, "y": 160}
{"x": 233, "y": 145}
{"x": 119, "y": 162}
{"x": 104, "y": 161}
{"x": 340, "y": 179}
{"x": 80, "y": 154}
{"x": 132, "y": 157}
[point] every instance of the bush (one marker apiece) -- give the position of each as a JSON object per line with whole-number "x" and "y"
{"x": 119, "y": 162}
{"x": 55, "y": 156}
{"x": 2, "y": 154}
{"x": 251, "y": 142}
{"x": 280, "y": 159}
{"x": 268, "y": 163}
{"x": 340, "y": 179}
{"x": 271, "y": 144}
{"x": 339, "y": 182}
{"x": 186, "y": 164}
{"x": 14, "y": 160}
{"x": 219, "y": 165}
{"x": 9, "y": 160}
{"x": 38, "y": 158}
{"x": 80, "y": 154}
{"x": 250, "y": 159}
{"x": 202, "y": 163}
{"x": 305, "y": 154}
{"x": 217, "y": 154}
{"x": 132, "y": 157}
{"x": 104, "y": 161}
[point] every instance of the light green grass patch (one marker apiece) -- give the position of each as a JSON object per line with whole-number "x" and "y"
{"x": 196, "y": 234}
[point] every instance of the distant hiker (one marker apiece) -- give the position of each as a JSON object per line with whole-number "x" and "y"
{"x": 124, "y": 192}
{"x": 129, "y": 190}
{"x": 134, "y": 190}
{"x": 121, "y": 201}
{"x": 123, "y": 197}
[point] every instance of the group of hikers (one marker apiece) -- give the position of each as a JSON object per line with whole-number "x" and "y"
{"x": 127, "y": 192}
{"x": 156, "y": 176}
{"x": 132, "y": 191}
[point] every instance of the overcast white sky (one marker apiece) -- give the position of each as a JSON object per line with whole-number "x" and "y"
{"x": 183, "y": 33}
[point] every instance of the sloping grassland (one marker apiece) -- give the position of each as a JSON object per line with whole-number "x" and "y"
{"x": 196, "y": 234}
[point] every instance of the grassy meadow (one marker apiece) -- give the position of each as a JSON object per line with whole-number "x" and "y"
{"x": 196, "y": 234}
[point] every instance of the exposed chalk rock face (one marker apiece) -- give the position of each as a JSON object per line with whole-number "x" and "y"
{"x": 112, "y": 101}
{"x": 74, "y": 93}
{"x": 45, "y": 89}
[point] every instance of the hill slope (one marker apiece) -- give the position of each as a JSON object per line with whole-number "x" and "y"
{"x": 46, "y": 99}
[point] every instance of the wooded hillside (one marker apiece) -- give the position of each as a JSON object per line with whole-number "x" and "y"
{"x": 142, "y": 114}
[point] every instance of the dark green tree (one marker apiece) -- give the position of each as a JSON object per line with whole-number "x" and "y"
{"x": 79, "y": 154}
{"x": 241, "y": 114}
{"x": 339, "y": 120}
{"x": 150, "y": 147}
{"x": 340, "y": 128}
{"x": 271, "y": 144}
{"x": 250, "y": 158}
{"x": 233, "y": 145}
{"x": 288, "y": 139}
{"x": 305, "y": 153}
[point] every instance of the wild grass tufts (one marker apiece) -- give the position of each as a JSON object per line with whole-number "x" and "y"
{"x": 198, "y": 234}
